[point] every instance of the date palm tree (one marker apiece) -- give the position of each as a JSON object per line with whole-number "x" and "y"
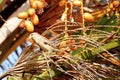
{"x": 82, "y": 44}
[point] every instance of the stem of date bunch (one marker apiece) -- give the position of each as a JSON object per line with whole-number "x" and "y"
{"x": 83, "y": 20}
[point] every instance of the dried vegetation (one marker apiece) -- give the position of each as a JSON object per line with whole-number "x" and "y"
{"x": 84, "y": 43}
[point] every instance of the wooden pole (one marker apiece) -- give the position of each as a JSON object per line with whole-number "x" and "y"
{"x": 8, "y": 31}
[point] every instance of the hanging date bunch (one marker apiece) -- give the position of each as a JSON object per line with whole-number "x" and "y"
{"x": 75, "y": 11}
{"x": 30, "y": 17}
{"x": 113, "y": 8}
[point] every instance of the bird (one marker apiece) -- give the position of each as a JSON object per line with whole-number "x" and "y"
{"x": 42, "y": 42}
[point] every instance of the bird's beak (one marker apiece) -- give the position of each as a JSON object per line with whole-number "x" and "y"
{"x": 30, "y": 39}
